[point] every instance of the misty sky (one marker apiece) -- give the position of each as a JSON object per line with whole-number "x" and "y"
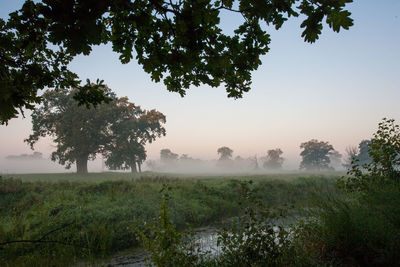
{"x": 335, "y": 90}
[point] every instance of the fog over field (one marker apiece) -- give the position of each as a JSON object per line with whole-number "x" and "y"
{"x": 196, "y": 166}
{"x": 45, "y": 165}
{"x": 335, "y": 90}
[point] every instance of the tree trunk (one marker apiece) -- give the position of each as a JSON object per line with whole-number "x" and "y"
{"x": 133, "y": 167}
{"x": 81, "y": 164}
{"x": 139, "y": 166}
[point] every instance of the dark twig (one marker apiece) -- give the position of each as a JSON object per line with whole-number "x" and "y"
{"x": 40, "y": 240}
{"x": 55, "y": 230}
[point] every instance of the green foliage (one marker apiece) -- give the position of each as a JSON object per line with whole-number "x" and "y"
{"x": 384, "y": 154}
{"x": 129, "y": 134}
{"x": 166, "y": 246}
{"x": 78, "y": 132}
{"x": 103, "y": 216}
{"x": 315, "y": 155}
{"x": 179, "y": 42}
{"x": 28, "y": 63}
{"x": 255, "y": 238}
{"x": 118, "y": 129}
{"x": 385, "y": 151}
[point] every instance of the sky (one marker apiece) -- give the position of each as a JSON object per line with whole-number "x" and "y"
{"x": 334, "y": 90}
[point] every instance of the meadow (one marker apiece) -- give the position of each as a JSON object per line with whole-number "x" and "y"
{"x": 68, "y": 219}
{"x": 72, "y": 217}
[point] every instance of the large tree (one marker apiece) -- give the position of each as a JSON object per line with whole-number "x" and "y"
{"x": 315, "y": 155}
{"x": 179, "y": 41}
{"x": 129, "y": 133}
{"x": 119, "y": 129}
{"x": 79, "y": 133}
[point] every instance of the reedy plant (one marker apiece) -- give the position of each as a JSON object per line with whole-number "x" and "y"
{"x": 166, "y": 246}
{"x": 255, "y": 238}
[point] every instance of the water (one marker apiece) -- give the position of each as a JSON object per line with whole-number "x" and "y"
{"x": 205, "y": 239}
{"x": 129, "y": 259}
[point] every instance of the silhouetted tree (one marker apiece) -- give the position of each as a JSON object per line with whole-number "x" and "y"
{"x": 239, "y": 159}
{"x": 363, "y": 157}
{"x": 336, "y": 159}
{"x": 225, "y": 157}
{"x": 179, "y": 42}
{"x": 225, "y": 153}
{"x": 118, "y": 129}
{"x": 185, "y": 158}
{"x": 167, "y": 156}
{"x": 253, "y": 163}
{"x": 358, "y": 156}
{"x": 351, "y": 155}
{"x": 78, "y": 132}
{"x": 130, "y": 132}
{"x": 273, "y": 160}
{"x": 315, "y": 155}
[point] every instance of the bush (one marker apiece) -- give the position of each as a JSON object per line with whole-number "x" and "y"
{"x": 385, "y": 160}
{"x": 257, "y": 237}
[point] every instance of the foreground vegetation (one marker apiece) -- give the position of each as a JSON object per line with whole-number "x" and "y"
{"x": 340, "y": 229}
{"x": 71, "y": 220}
{"x": 356, "y": 225}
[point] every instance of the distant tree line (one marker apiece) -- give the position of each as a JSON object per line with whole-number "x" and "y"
{"x": 34, "y": 156}
{"x": 316, "y": 156}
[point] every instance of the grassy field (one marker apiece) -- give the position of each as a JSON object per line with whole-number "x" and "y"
{"x": 100, "y": 214}
{"x": 128, "y": 176}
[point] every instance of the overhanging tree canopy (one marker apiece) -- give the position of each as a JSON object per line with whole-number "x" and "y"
{"x": 177, "y": 41}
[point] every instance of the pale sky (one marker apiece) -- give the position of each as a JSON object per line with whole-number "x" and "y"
{"x": 335, "y": 90}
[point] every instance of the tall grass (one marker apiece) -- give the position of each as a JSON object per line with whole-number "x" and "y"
{"x": 98, "y": 218}
{"x": 353, "y": 230}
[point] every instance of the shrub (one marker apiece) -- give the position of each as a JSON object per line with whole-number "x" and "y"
{"x": 385, "y": 160}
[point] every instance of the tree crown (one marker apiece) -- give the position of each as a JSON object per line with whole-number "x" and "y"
{"x": 179, "y": 42}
